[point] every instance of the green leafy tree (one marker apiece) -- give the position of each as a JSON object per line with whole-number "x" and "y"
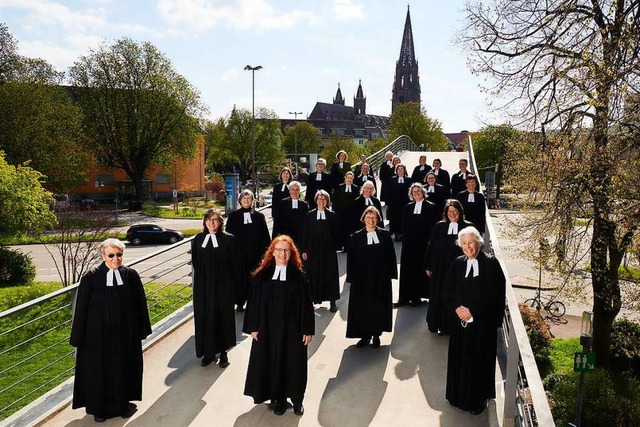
{"x": 490, "y": 148}
{"x": 24, "y": 203}
{"x": 138, "y": 110}
{"x": 564, "y": 71}
{"x": 303, "y": 138}
{"x": 337, "y": 143}
{"x": 229, "y": 141}
{"x": 412, "y": 120}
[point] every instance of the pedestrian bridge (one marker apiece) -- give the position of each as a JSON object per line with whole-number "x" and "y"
{"x": 401, "y": 383}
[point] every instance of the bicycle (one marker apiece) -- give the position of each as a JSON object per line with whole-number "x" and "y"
{"x": 556, "y": 309}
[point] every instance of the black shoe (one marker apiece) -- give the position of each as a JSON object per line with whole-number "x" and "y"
{"x": 206, "y": 361}
{"x": 376, "y": 342}
{"x": 400, "y": 303}
{"x": 363, "y": 342}
{"x": 333, "y": 307}
{"x": 280, "y": 407}
{"x": 298, "y": 408}
{"x": 99, "y": 419}
{"x": 224, "y": 361}
{"x": 131, "y": 409}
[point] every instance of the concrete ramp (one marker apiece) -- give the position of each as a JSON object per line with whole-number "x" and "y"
{"x": 449, "y": 159}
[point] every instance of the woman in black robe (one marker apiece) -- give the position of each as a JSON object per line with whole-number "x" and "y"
{"x": 217, "y": 268}
{"x": 364, "y": 176}
{"x": 419, "y": 218}
{"x": 442, "y": 176}
{"x": 343, "y": 197}
{"x": 436, "y": 193}
{"x": 441, "y": 252}
{"x": 252, "y": 236}
{"x": 371, "y": 264}
{"x": 281, "y": 321}
{"x": 320, "y": 241}
{"x": 386, "y": 172}
{"x": 339, "y": 168}
{"x": 365, "y": 199}
{"x": 475, "y": 300}
{"x": 280, "y": 192}
{"x": 110, "y": 320}
{"x": 473, "y": 203}
{"x": 398, "y": 198}
{"x": 293, "y": 210}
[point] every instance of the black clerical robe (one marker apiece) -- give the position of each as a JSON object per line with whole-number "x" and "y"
{"x": 290, "y": 220}
{"x": 337, "y": 172}
{"x": 439, "y": 197}
{"x": 472, "y": 348}
{"x": 419, "y": 173}
{"x": 281, "y": 312}
{"x": 342, "y": 205}
{"x": 358, "y": 207}
{"x": 416, "y": 232}
{"x": 280, "y": 192}
{"x": 216, "y": 271}
{"x": 458, "y": 182}
{"x": 109, "y": 323}
{"x": 313, "y": 185}
{"x": 370, "y": 269}
{"x": 398, "y": 197}
{"x": 443, "y": 178}
{"x": 359, "y": 180}
{"x": 387, "y": 170}
{"x": 320, "y": 241}
{"x": 474, "y": 211}
{"x": 253, "y": 240}
{"x": 441, "y": 252}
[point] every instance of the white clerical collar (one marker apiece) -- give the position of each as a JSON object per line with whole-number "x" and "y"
{"x": 471, "y": 198}
{"x": 318, "y": 176}
{"x": 435, "y": 172}
{"x": 372, "y": 238}
{"x": 368, "y": 201}
{"x": 418, "y": 208}
{"x": 284, "y": 186}
{"x": 341, "y": 165}
{"x": 431, "y": 189}
{"x": 320, "y": 215}
{"x": 463, "y": 175}
{"x": 212, "y": 237}
{"x": 472, "y": 265}
{"x": 110, "y": 275}
{"x": 401, "y": 180}
{"x": 247, "y": 217}
{"x": 294, "y": 203}
{"x": 347, "y": 189}
{"x": 453, "y": 228}
{"x": 422, "y": 167}
{"x": 280, "y": 273}
{"x": 388, "y": 162}
{"x": 364, "y": 178}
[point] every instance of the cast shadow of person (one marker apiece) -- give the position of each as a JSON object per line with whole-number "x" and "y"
{"x": 188, "y": 383}
{"x": 352, "y": 398}
{"x": 262, "y": 415}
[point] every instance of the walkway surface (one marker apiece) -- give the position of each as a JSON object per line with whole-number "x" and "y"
{"x": 401, "y": 383}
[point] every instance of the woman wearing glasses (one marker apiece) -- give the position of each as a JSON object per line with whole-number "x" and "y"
{"x": 280, "y": 320}
{"x": 217, "y": 269}
{"x": 109, "y": 322}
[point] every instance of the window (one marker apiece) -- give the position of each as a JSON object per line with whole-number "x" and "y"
{"x": 163, "y": 178}
{"x": 105, "y": 179}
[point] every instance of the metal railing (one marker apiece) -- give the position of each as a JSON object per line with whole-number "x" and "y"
{"x": 401, "y": 143}
{"x": 35, "y": 354}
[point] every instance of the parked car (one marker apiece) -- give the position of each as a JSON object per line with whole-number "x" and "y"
{"x": 149, "y": 233}
{"x": 249, "y": 183}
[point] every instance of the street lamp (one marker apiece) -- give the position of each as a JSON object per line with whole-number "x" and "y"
{"x": 295, "y": 139}
{"x": 253, "y": 126}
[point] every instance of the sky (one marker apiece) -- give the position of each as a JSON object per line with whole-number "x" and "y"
{"x": 306, "y": 48}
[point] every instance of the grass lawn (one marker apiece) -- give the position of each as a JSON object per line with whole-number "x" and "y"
{"x": 49, "y": 359}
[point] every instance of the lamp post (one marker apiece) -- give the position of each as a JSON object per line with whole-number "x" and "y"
{"x": 295, "y": 139}
{"x": 253, "y": 126}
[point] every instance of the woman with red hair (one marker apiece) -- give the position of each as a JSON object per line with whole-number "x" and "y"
{"x": 280, "y": 319}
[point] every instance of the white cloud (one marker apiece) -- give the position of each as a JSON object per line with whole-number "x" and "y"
{"x": 229, "y": 75}
{"x": 348, "y": 9}
{"x": 200, "y": 15}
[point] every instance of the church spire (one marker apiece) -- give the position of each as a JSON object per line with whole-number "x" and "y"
{"x": 339, "y": 100}
{"x": 406, "y": 87}
{"x": 359, "y": 101}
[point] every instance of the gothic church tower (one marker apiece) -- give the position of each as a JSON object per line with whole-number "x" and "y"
{"x": 406, "y": 86}
{"x": 360, "y": 101}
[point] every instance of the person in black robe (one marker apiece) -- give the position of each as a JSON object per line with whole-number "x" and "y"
{"x": 293, "y": 210}
{"x": 342, "y": 204}
{"x": 364, "y": 176}
{"x": 371, "y": 265}
{"x": 281, "y": 321}
{"x": 459, "y": 179}
{"x": 217, "y": 268}
{"x": 280, "y": 192}
{"x": 419, "y": 218}
{"x": 420, "y": 172}
{"x": 365, "y": 199}
{"x": 386, "y": 172}
{"x": 318, "y": 180}
{"x": 358, "y": 167}
{"x": 252, "y": 236}
{"x": 441, "y": 252}
{"x": 320, "y": 241}
{"x": 398, "y": 198}
{"x": 474, "y": 204}
{"x": 339, "y": 168}
{"x": 109, "y": 322}
{"x": 436, "y": 193}
{"x": 475, "y": 300}
{"x": 442, "y": 176}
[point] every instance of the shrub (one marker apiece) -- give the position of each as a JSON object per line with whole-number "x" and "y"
{"x": 152, "y": 210}
{"x": 16, "y": 268}
{"x": 539, "y": 337}
{"x": 625, "y": 346}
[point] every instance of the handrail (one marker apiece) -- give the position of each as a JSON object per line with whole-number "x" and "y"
{"x": 401, "y": 143}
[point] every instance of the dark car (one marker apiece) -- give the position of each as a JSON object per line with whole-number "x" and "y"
{"x": 149, "y": 233}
